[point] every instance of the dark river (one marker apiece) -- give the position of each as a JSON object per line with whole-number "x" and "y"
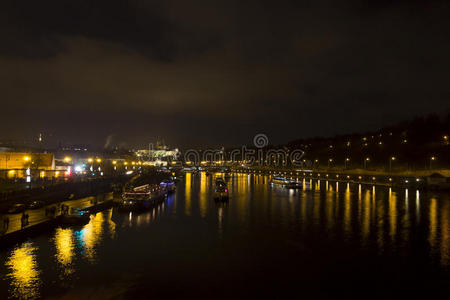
{"x": 327, "y": 240}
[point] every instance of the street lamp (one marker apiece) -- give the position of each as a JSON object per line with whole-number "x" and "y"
{"x": 316, "y": 162}
{"x": 26, "y": 158}
{"x": 366, "y": 161}
{"x": 67, "y": 159}
{"x": 346, "y": 161}
{"x": 329, "y": 162}
{"x": 390, "y": 162}
{"x": 433, "y": 158}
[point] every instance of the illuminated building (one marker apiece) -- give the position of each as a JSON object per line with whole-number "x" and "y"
{"x": 16, "y": 164}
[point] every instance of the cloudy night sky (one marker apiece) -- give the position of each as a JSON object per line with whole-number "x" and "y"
{"x": 205, "y": 72}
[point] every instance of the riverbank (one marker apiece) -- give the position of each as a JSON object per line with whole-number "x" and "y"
{"x": 426, "y": 179}
{"x": 93, "y": 196}
{"x": 48, "y": 217}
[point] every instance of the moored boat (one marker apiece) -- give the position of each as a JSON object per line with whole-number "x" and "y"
{"x": 279, "y": 180}
{"x": 143, "y": 197}
{"x": 284, "y": 182}
{"x": 168, "y": 185}
{"x": 75, "y": 217}
{"x": 221, "y": 189}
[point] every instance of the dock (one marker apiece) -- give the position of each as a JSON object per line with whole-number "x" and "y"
{"x": 46, "y": 218}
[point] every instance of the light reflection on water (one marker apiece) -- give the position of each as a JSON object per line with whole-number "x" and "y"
{"x": 90, "y": 236}
{"x": 65, "y": 249}
{"x": 203, "y": 193}
{"x": 361, "y": 218}
{"x": 23, "y": 272}
{"x": 188, "y": 188}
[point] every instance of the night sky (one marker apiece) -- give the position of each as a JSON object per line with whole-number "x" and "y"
{"x": 208, "y": 72}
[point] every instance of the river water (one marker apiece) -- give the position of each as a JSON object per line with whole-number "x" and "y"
{"x": 326, "y": 240}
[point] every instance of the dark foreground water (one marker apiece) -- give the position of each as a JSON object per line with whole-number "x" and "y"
{"x": 324, "y": 241}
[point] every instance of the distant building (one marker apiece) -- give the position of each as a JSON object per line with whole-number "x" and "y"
{"x": 20, "y": 164}
{"x": 157, "y": 154}
{"x": 73, "y": 147}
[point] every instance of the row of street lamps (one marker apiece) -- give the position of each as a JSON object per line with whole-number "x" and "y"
{"x": 367, "y": 160}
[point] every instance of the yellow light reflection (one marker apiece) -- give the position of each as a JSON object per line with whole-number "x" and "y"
{"x": 347, "y": 212}
{"x": 188, "y": 194}
{"x": 65, "y": 248}
{"x": 392, "y": 215}
{"x": 366, "y": 217}
{"x": 203, "y": 183}
{"x": 433, "y": 222}
{"x": 24, "y": 273}
{"x": 329, "y": 211}
{"x": 91, "y": 236}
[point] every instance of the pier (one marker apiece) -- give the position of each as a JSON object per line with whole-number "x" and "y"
{"x": 17, "y": 228}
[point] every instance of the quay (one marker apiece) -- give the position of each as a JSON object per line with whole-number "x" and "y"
{"x": 46, "y": 218}
{"x": 432, "y": 181}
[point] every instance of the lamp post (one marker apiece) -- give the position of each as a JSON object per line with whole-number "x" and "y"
{"x": 433, "y": 158}
{"x": 329, "y": 162}
{"x": 365, "y": 162}
{"x": 346, "y": 161}
{"x": 390, "y": 162}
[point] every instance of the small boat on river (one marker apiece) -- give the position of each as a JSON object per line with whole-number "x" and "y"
{"x": 221, "y": 189}
{"x": 75, "y": 217}
{"x": 169, "y": 186}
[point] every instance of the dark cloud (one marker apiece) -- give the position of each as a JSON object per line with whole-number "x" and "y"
{"x": 219, "y": 71}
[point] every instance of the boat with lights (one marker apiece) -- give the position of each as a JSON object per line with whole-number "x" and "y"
{"x": 168, "y": 186}
{"x": 221, "y": 190}
{"x": 285, "y": 182}
{"x": 142, "y": 197}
